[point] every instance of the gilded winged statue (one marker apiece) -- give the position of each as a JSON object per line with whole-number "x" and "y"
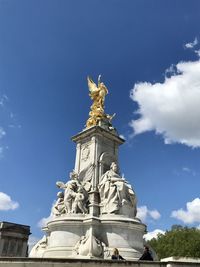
{"x": 97, "y": 94}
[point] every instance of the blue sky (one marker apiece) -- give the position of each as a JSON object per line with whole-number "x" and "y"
{"x": 148, "y": 55}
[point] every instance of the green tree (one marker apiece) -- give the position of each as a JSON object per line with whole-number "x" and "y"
{"x": 179, "y": 241}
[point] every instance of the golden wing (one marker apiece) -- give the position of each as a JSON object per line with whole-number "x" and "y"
{"x": 92, "y": 86}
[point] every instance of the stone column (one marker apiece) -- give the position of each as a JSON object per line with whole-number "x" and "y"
{"x": 78, "y": 155}
{"x": 93, "y": 194}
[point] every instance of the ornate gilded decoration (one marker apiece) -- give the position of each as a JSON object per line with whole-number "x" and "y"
{"x": 97, "y": 94}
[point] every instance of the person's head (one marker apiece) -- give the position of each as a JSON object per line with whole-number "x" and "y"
{"x": 146, "y": 248}
{"x": 115, "y": 252}
{"x": 114, "y": 166}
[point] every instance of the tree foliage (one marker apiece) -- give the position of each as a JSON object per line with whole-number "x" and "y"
{"x": 179, "y": 241}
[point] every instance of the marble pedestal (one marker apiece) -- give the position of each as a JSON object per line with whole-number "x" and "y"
{"x": 63, "y": 235}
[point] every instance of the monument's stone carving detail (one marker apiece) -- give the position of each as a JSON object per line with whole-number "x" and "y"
{"x": 39, "y": 248}
{"x": 59, "y": 207}
{"x": 85, "y": 153}
{"x": 74, "y": 198}
{"x": 96, "y": 209}
{"x": 89, "y": 245}
{"x": 116, "y": 193}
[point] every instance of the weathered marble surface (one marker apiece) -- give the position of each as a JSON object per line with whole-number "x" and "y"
{"x": 75, "y": 197}
{"x": 96, "y": 208}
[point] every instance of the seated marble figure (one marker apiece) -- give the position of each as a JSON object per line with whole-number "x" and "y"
{"x": 116, "y": 193}
{"x": 59, "y": 207}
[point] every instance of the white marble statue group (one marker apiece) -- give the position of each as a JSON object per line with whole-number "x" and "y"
{"x": 73, "y": 199}
{"x": 116, "y": 195}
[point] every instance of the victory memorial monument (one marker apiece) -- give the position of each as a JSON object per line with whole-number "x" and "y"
{"x": 96, "y": 209}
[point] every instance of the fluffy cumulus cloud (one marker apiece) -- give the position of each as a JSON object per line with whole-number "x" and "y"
{"x": 143, "y": 213}
{"x": 43, "y": 222}
{"x": 171, "y": 108}
{"x": 191, "y": 214}
{"x": 6, "y": 203}
{"x": 153, "y": 234}
{"x": 32, "y": 241}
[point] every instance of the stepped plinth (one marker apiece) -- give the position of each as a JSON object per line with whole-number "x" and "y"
{"x": 97, "y": 208}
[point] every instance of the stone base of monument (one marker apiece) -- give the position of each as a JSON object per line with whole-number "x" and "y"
{"x": 86, "y": 236}
{"x": 38, "y": 262}
{"x": 123, "y": 233}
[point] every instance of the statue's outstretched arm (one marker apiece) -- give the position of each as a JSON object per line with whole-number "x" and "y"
{"x": 60, "y": 185}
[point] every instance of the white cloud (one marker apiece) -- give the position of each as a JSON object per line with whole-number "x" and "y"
{"x": 171, "y": 108}
{"x": 6, "y": 203}
{"x": 153, "y": 234}
{"x": 186, "y": 169}
{"x": 143, "y": 213}
{"x": 197, "y": 52}
{"x": 1, "y": 151}
{"x": 3, "y": 99}
{"x": 189, "y": 171}
{"x": 154, "y": 214}
{"x": 122, "y": 136}
{"x": 191, "y": 214}
{"x": 2, "y": 132}
{"x": 192, "y": 44}
{"x": 43, "y": 222}
{"x": 32, "y": 241}
{"x": 171, "y": 70}
{"x": 10, "y": 121}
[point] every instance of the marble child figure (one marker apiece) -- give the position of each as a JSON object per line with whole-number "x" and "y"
{"x": 59, "y": 207}
{"x": 79, "y": 201}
